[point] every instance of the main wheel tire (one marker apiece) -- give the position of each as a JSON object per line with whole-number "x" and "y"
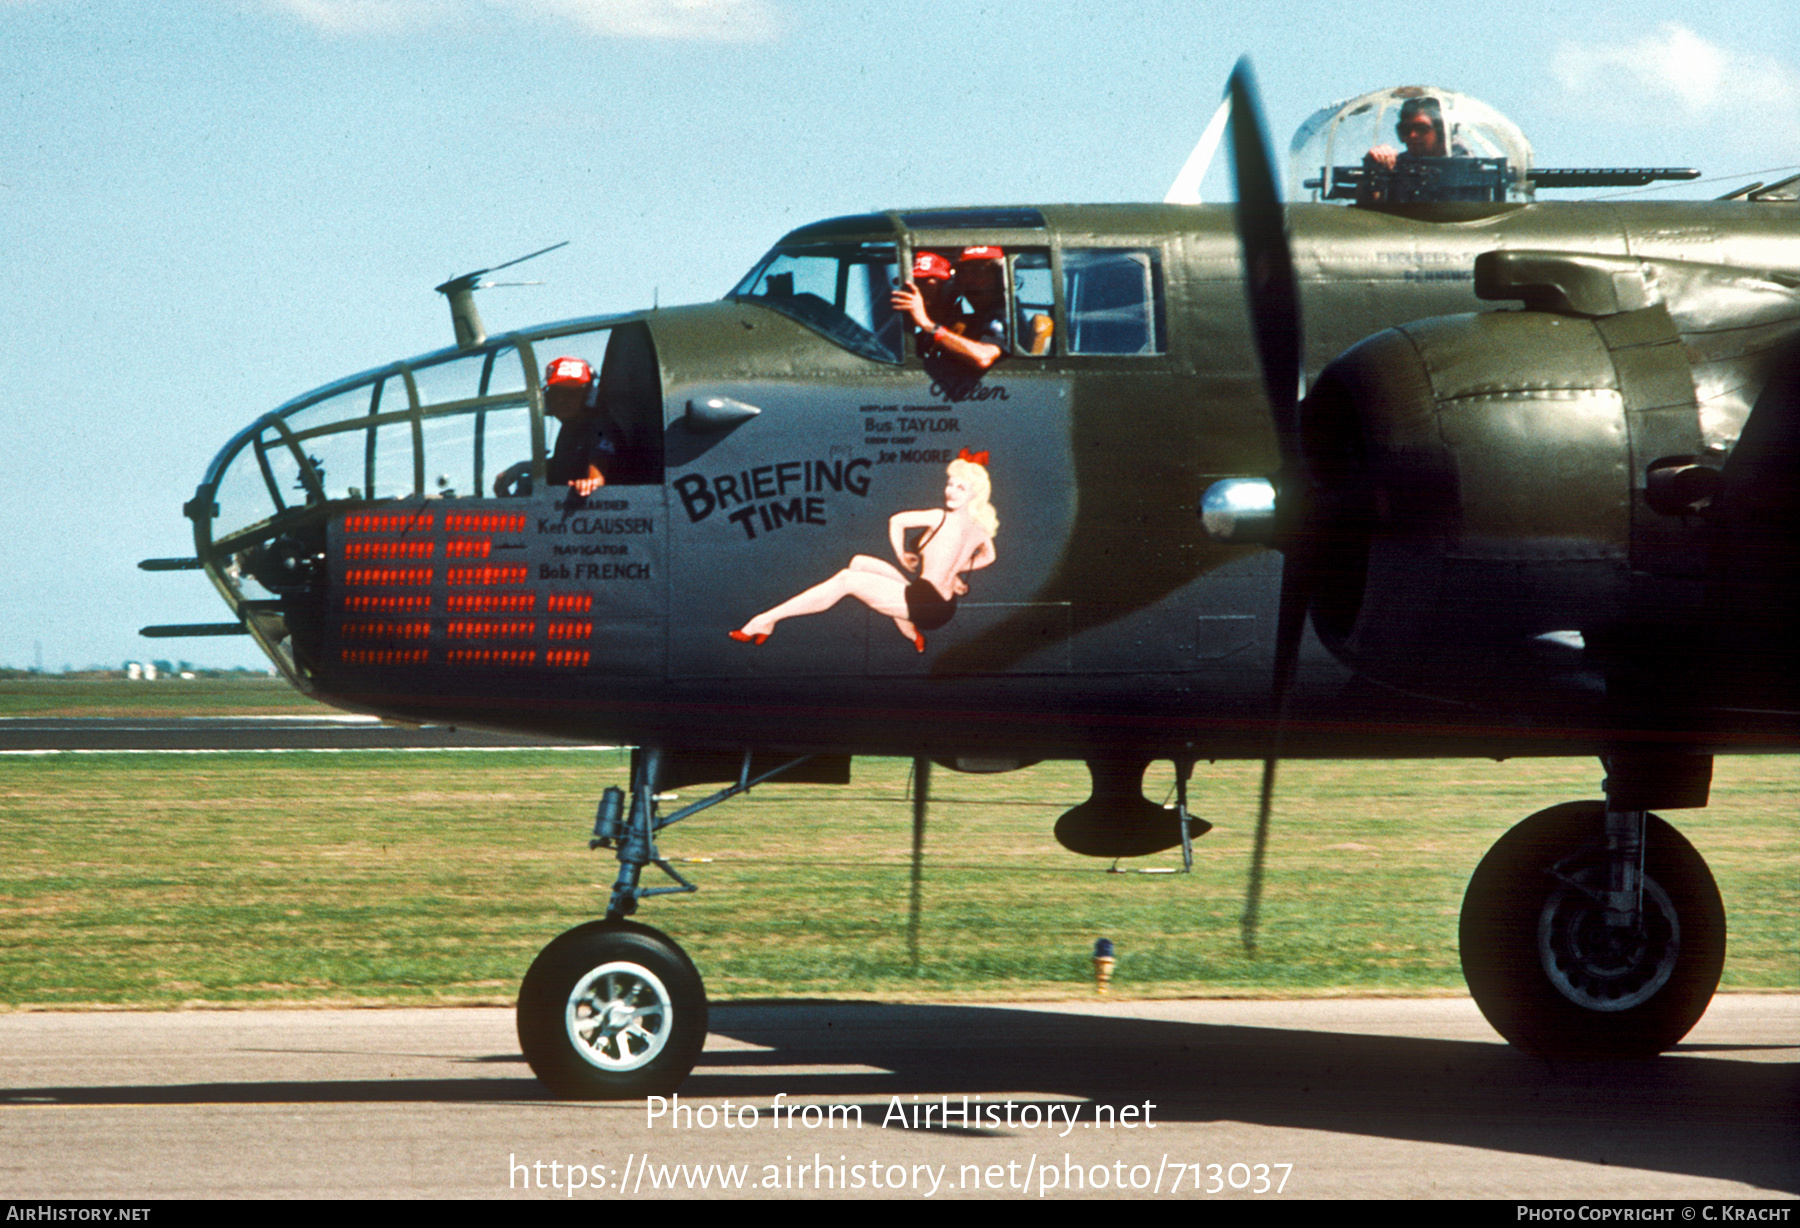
{"x": 612, "y": 1010}
{"x": 1552, "y": 976}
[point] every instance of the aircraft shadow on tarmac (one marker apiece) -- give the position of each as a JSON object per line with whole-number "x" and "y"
{"x": 1707, "y": 1116}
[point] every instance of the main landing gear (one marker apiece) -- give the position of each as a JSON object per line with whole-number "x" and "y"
{"x": 1591, "y": 931}
{"x": 613, "y": 1010}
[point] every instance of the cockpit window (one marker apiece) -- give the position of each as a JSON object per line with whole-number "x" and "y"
{"x": 841, "y": 291}
{"x": 368, "y": 444}
{"x": 1408, "y": 145}
{"x": 1034, "y": 304}
{"x": 445, "y": 427}
{"x": 439, "y": 428}
{"x": 489, "y": 374}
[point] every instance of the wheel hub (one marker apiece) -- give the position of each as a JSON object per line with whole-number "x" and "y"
{"x": 1602, "y": 967}
{"x": 619, "y": 1016}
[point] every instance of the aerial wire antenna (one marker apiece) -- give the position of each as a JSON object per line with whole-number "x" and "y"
{"x": 470, "y": 331}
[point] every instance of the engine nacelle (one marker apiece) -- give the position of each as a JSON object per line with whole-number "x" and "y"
{"x": 1478, "y": 495}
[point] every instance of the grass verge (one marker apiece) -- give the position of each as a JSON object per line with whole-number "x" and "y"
{"x": 56, "y": 696}
{"x": 381, "y": 878}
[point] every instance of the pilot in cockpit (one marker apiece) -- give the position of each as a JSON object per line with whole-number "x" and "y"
{"x": 981, "y": 280}
{"x": 927, "y": 298}
{"x": 585, "y": 445}
{"x": 976, "y": 338}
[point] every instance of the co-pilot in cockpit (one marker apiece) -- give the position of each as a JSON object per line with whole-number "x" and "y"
{"x": 1451, "y": 148}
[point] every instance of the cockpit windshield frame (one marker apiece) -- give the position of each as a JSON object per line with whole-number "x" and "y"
{"x": 840, "y": 290}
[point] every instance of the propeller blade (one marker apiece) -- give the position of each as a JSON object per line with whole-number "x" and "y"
{"x": 1268, "y": 261}
{"x": 1274, "y": 301}
{"x": 1290, "y": 619}
{"x": 1274, "y": 298}
{"x": 1296, "y": 585}
{"x": 921, "y": 799}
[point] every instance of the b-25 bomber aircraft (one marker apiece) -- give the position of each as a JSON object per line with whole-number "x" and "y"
{"x": 1539, "y": 498}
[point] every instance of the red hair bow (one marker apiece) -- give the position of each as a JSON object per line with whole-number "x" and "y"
{"x": 974, "y": 458}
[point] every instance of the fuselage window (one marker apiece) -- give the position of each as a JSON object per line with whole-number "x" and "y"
{"x": 1114, "y": 299}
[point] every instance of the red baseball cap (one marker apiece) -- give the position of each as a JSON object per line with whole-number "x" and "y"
{"x": 567, "y": 371}
{"x": 930, "y": 266}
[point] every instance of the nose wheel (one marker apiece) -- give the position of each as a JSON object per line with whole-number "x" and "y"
{"x": 612, "y": 1010}
{"x": 1556, "y": 972}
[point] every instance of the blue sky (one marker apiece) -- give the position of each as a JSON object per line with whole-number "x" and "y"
{"x": 209, "y": 206}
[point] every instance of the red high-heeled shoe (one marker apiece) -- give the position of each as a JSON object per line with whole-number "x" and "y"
{"x": 744, "y": 637}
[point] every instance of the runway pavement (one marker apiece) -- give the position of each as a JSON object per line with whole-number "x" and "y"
{"x": 1192, "y": 1099}
{"x": 40, "y": 735}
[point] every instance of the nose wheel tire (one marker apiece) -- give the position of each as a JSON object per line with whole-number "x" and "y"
{"x": 612, "y": 1010}
{"x": 1553, "y": 976}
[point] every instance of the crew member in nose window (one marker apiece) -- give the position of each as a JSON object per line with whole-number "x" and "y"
{"x": 585, "y": 444}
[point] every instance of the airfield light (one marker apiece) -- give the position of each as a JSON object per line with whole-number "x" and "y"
{"x": 1103, "y": 966}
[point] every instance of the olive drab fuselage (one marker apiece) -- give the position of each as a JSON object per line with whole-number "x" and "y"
{"x": 393, "y": 543}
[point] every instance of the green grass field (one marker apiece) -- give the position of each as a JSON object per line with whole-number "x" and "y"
{"x": 433, "y": 878}
{"x": 55, "y": 695}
